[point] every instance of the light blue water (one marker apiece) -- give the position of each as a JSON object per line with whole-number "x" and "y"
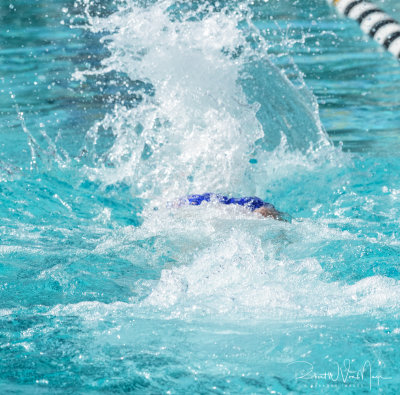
{"x": 108, "y": 111}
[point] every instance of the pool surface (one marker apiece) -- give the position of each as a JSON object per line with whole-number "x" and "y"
{"x": 111, "y": 109}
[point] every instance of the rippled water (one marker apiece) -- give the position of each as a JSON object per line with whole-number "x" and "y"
{"x": 110, "y": 110}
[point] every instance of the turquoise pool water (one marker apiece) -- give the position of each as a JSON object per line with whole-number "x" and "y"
{"x": 110, "y": 110}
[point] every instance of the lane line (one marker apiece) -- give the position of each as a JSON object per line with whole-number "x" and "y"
{"x": 373, "y": 21}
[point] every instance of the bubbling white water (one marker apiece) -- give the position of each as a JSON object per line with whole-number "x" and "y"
{"x": 243, "y": 266}
{"x": 217, "y": 102}
{"x": 227, "y": 262}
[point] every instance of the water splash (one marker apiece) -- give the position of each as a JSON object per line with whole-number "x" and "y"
{"x": 210, "y": 101}
{"x": 214, "y": 113}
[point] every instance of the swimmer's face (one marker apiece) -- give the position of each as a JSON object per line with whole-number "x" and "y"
{"x": 268, "y": 212}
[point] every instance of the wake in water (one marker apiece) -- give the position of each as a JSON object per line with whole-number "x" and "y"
{"x": 214, "y": 113}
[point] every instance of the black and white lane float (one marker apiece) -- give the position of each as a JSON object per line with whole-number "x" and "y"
{"x": 373, "y": 21}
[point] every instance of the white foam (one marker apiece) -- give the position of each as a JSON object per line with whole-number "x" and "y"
{"x": 245, "y": 274}
{"x": 198, "y": 131}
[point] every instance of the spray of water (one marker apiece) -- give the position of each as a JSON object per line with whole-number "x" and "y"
{"x": 215, "y": 105}
{"x": 214, "y": 114}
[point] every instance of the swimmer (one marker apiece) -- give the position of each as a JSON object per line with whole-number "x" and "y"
{"x": 253, "y": 203}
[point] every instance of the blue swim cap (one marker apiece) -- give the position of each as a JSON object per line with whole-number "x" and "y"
{"x": 251, "y": 202}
